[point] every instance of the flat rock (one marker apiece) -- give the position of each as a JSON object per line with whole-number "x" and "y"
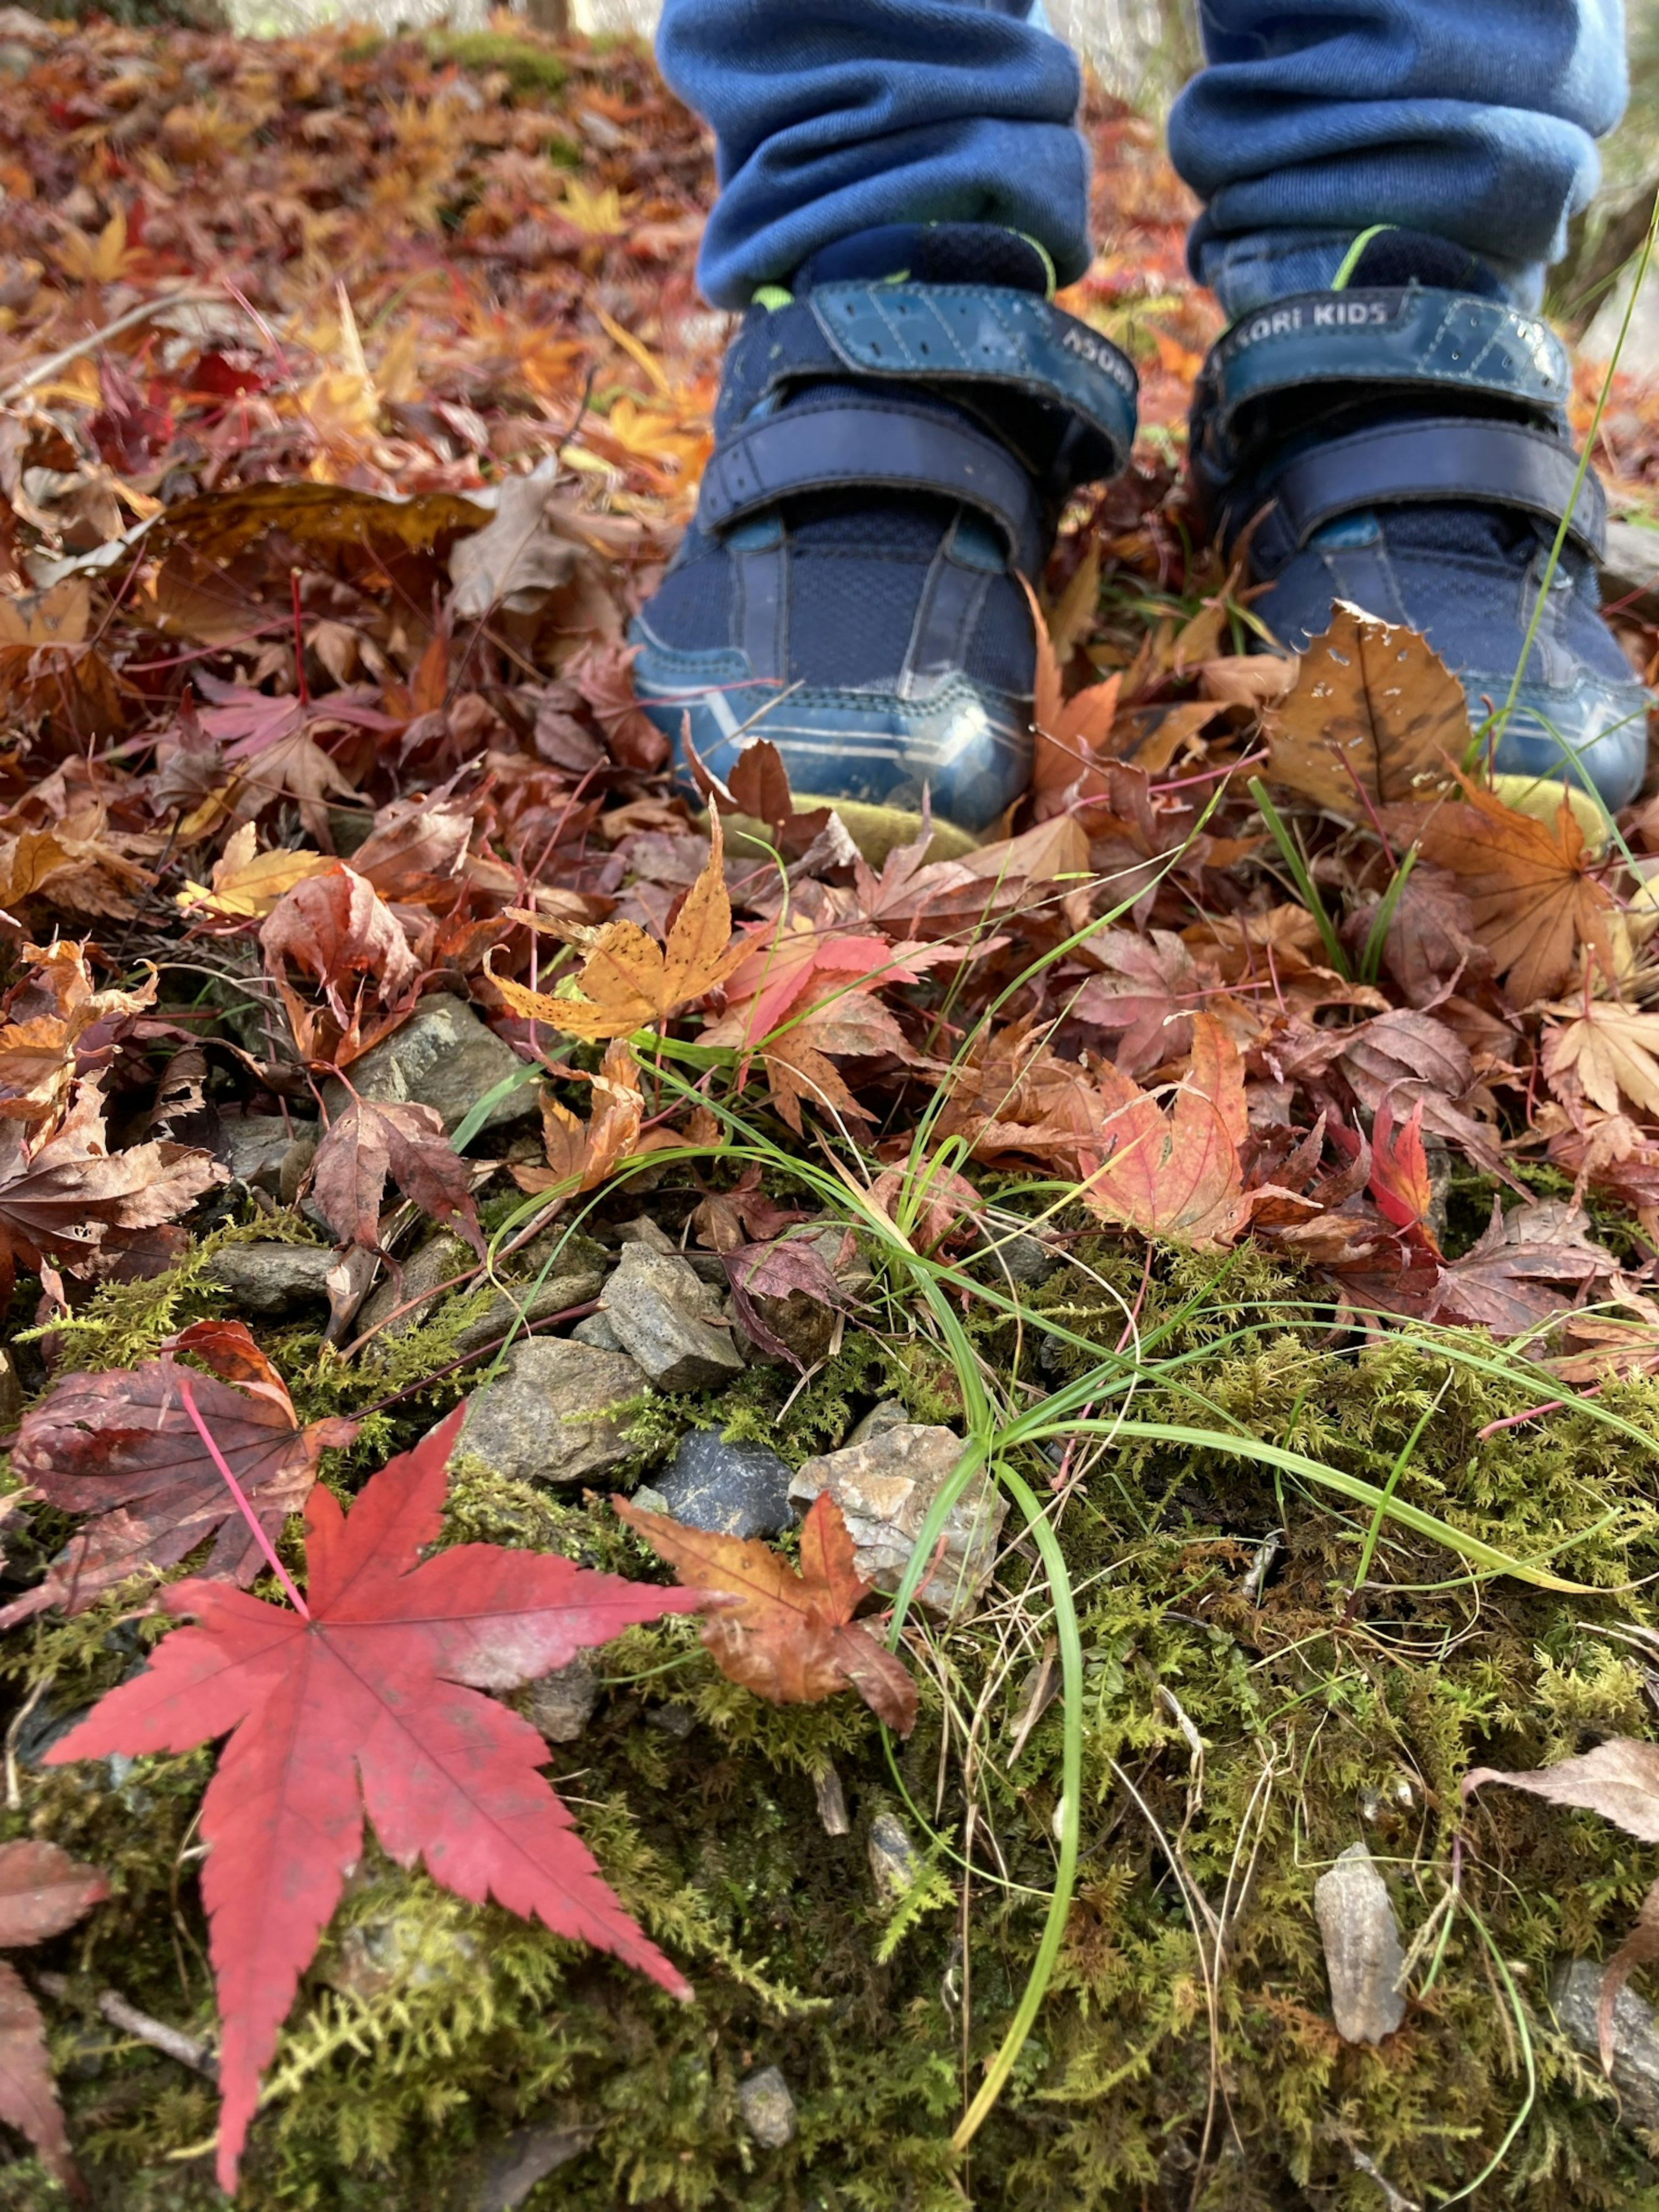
{"x": 1363, "y": 1956}
{"x": 662, "y": 1313}
{"x": 443, "y": 1056}
{"x": 885, "y": 1487}
{"x": 768, "y": 2110}
{"x": 561, "y": 1705}
{"x": 253, "y": 1146}
{"x": 274, "y": 1279}
{"x": 439, "y": 1260}
{"x": 547, "y": 1416}
{"x": 1575, "y": 1994}
{"x": 735, "y": 1490}
{"x": 889, "y": 1413}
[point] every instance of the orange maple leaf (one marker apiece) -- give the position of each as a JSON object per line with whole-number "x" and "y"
{"x": 629, "y": 982}
{"x": 788, "y": 1636}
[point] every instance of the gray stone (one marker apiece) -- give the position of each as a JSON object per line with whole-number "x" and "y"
{"x": 889, "y": 1413}
{"x": 547, "y": 1416}
{"x": 574, "y": 1276}
{"x": 526, "y": 2158}
{"x": 768, "y": 2110}
{"x": 439, "y": 1260}
{"x": 642, "y": 1230}
{"x": 1575, "y": 1994}
{"x": 649, "y": 1500}
{"x": 662, "y": 1313}
{"x": 443, "y": 1056}
{"x": 1021, "y": 1257}
{"x": 1363, "y": 1956}
{"x": 894, "y": 1862}
{"x": 274, "y": 1279}
{"x": 595, "y": 1329}
{"x": 254, "y": 1145}
{"x": 735, "y": 1490}
{"x": 831, "y": 1801}
{"x": 561, "y": 1705}
{"x": 884, "y": 1488}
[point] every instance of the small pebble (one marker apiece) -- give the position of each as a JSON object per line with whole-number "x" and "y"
{"x": 768, "y": 2110}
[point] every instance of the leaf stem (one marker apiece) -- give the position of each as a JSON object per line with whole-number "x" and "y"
{"x": 187, "y": 1398}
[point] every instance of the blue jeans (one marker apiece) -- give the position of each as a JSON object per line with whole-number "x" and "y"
{"x": 1473, "y": 120}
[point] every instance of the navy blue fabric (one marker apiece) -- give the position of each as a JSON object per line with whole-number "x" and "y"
{"x": 1473, "y": 120}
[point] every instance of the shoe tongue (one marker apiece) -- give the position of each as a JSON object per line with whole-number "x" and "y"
{"x": 1408, "y": 256}
{"x": 929, "y": 253}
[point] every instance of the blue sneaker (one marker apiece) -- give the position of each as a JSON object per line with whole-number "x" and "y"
{"x": 895, "y": 440}
{"x": 1403, "y": 443}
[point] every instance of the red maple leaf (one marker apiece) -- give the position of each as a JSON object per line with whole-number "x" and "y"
{"x": 369, "y": 1702}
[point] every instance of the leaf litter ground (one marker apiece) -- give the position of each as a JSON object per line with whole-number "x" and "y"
{"x": 1250, "y": 1154}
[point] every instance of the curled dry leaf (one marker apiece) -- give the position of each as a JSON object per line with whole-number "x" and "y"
{"x": 628, "y": 981}
{"x": 370, "y": 1142}
{"x": 336, "y": 927}
{"x": 65, "y": 1198}
{"x": 59, "y": 1005}
{"x": 1530, "y": 1265}
{"x": 120, "y": 1445}
{"x": 520, "y": 558}
{"x": 785, "y": 1267}
{"x": 42, "y": 1891}
{"x": 788, "y": 1636}
{"x": 581, "y": 1154}
{"x": 370, "y": 1703}
{"x": 1374, "y": 714}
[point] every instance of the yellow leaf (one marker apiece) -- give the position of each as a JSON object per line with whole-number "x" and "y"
{"x": 598, "y": 214}
{"x": 247, "y": 883}
{"x": 627, "y": 979}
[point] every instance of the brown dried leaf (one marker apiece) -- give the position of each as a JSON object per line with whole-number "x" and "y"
{"x": 42, "y": 1891}
{"x": 371, "y": 1141}
{"x": 120, "y": 1444}
{"x": 1603, "y": 1052}
{"x": 1374, "y": 709}
{"x": 1530, "y": 887}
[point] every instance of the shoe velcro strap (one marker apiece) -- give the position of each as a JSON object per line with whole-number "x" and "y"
{"x": 1438, "y": 462}
{"x": 943, "y": 334}
{"x": 1399, "y": 337}
{"x": 841, "y": 444}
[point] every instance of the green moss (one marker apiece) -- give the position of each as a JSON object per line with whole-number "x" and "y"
{"x": 527, "y": 66}
{"x": 427, "y": 2030}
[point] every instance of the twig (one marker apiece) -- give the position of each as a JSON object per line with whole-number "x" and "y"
{"x": 141, "y": 313}
{"x": 198, "y": 2055}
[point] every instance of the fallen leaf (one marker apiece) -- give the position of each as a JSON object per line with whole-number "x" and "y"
{"x": 788, "y": 1636}
{"x": 581, "y": 1154}
{"x": 519, "y": 559}
{"x": 42, "y": 1891}
{"x": 247, "y": 883}
{"x": 1530, "y": 1264}
{"x": 120, "y": 1445}
{"x": 372, "y": 1140}
{"x": 336, "y": 927}
{"x": 64, "y": 1196}
{"x": 1603, "y": 1052}
{"x": 1173, "y": 1175}
{"x": 1534, "y": 900}
{"x": 1374, "y": 711}
{"x": 369, "y": 1702}
{"x": 1400, "y": 1180}
{"x": 628, "y": 981}
{"x": 783, "y": 1268}
{"x": 1069, "y": 733}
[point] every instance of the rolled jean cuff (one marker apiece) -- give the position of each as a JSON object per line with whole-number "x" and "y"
{"x": 1257, "y": 268}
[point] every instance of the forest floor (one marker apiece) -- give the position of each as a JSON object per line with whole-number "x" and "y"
{"x": 996, "y": 1420}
